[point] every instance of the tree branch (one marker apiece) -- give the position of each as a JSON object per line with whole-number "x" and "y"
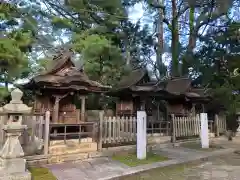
{"x": 158, "y": 6}
{"x": 204, "y": 19}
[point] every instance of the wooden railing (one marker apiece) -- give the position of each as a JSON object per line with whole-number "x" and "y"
{"x": 73, "y": 131}
{"x": 117, "y": 130}
{"x": 37, "y": 130}
{"x": 162, "y": 128}
{"x": 185, "y": 126}
{"x": 220, "y": 124}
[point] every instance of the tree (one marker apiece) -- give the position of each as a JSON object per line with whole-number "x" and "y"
{"x": 103, "y": 61}
{"x": 15, "y": 43}
{"x": 218, "y": 62}
{"x": 108, "y": 19}
{"x": 200, "y": 14}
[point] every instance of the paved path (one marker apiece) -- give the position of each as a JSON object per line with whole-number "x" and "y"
{"x": 99, "y": 168}
{"x": 216, "y": 168}
{"x": 88, "y": 170}
{"x": 225, "y": 167}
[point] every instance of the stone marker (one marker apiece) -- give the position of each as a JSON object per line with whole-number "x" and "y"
{"x": 12, "y": 163}
{"x": 238, "y": 120}
{"x": 204, "y": 130}
{"x": 141, "y": 134}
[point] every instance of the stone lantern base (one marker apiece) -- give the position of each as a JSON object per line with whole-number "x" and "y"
{"x": 17, "y": 176}
{"x": 12, "y": 163}
{"x": 14, "y": 169}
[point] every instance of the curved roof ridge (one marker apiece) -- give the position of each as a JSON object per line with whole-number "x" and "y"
{"x": 133, "y": 78}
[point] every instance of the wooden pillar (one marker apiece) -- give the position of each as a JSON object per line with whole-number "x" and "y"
{"x": 203, "y": 108}
{"x": 142, "y": 104}
{"x": 83, "y": 102}
{"x": 78, "y": 116}
{"x": 56, "y": 109}
{"x": 194, "y": 109}
{"x": 46, "y": 133}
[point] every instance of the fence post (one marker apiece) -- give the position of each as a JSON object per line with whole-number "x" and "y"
{"x": 100, "y": 130}
{"x": 217, "y": 125}
{"x": 173, "y": 129}
{"x": 46, "y": 132}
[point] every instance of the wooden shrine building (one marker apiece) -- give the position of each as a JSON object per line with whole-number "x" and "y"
{"x": 137, "y": 91}
{"x": 60, "y": 86}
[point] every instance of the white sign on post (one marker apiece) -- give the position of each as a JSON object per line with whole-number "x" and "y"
{"x": 141, "y": 134}
{"x": 204, "y": 130}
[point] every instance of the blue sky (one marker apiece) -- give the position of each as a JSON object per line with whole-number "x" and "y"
{"x": 136, "y": 12}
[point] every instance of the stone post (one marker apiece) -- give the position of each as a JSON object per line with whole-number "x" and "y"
{"x": 12, "y": 163}
{"x": 238, "y": 129}
{"x": 141, "y": 134}
{"x": 204, "y": 130}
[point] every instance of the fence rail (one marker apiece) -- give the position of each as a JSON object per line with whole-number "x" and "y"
{"x": 186, "y": 126}
{"x": 221, "y": 124}
{"x": 117, "y": 130}
{"x": 162, "y": 128}
{"x": 35, "y": 136}
{"x": 72, "y": 131}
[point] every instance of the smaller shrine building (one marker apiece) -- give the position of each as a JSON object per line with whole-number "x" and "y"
{"x": 175, "y": 95}
{"x": 60, "y": 86}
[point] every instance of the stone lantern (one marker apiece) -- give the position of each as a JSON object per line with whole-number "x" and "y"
{"x": 12, "y": 163}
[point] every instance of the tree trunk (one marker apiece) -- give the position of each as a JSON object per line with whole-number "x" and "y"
{"x": 175, "y": 41}
{"x": 191, "y": 43}
{"x": 160, "y": 41}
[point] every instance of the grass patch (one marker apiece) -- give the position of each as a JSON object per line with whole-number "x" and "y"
{"x": 41, "y": 174}
{"x": 198, "y": 146}
{"x": 174, "y": 172}
{"x": 131, "y": 160}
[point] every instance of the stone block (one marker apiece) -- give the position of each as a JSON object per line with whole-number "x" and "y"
{"x": 95, "y": 154}
{"x": 74, "y": 157}
{"x": 87, "y": 147}
{"x": 211, "y": 135}
{"x": 17, "y": 165}
{"x": 158, "y": 139}
{"x": 55, "y": 159}
{"x": 17, "y": 176}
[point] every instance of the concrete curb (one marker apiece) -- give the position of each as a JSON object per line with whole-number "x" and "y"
{"x": 146, "y": 167}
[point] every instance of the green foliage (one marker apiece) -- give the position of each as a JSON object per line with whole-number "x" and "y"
{"x": 3, "y": 94}
{"x": 216, "y": 62}
{"x": 102, "y": 60}
{"x": 16, "y": 40}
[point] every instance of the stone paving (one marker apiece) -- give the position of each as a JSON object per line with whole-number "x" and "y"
{"x": 100, "y": 168}
{"x": 91, "y": 169}
{"x": 223, "y": 167}
{"x": 215, "y": 168}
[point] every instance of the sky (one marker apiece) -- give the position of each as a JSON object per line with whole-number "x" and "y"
{"x": 136, "y": 12}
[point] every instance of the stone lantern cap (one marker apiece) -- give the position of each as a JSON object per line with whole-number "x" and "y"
{"x": 16, "y": 105}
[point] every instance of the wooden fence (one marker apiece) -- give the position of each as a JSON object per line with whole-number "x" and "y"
{"x": 220, "y": 124}
{"x": 159, "y": 128}
{"x": 72, "y": 131}
{"x": 3, "y": 120}
{"x": 114, "y": 130}
{"x": 187, "y": 127}
{"x": 36, "y": 134}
